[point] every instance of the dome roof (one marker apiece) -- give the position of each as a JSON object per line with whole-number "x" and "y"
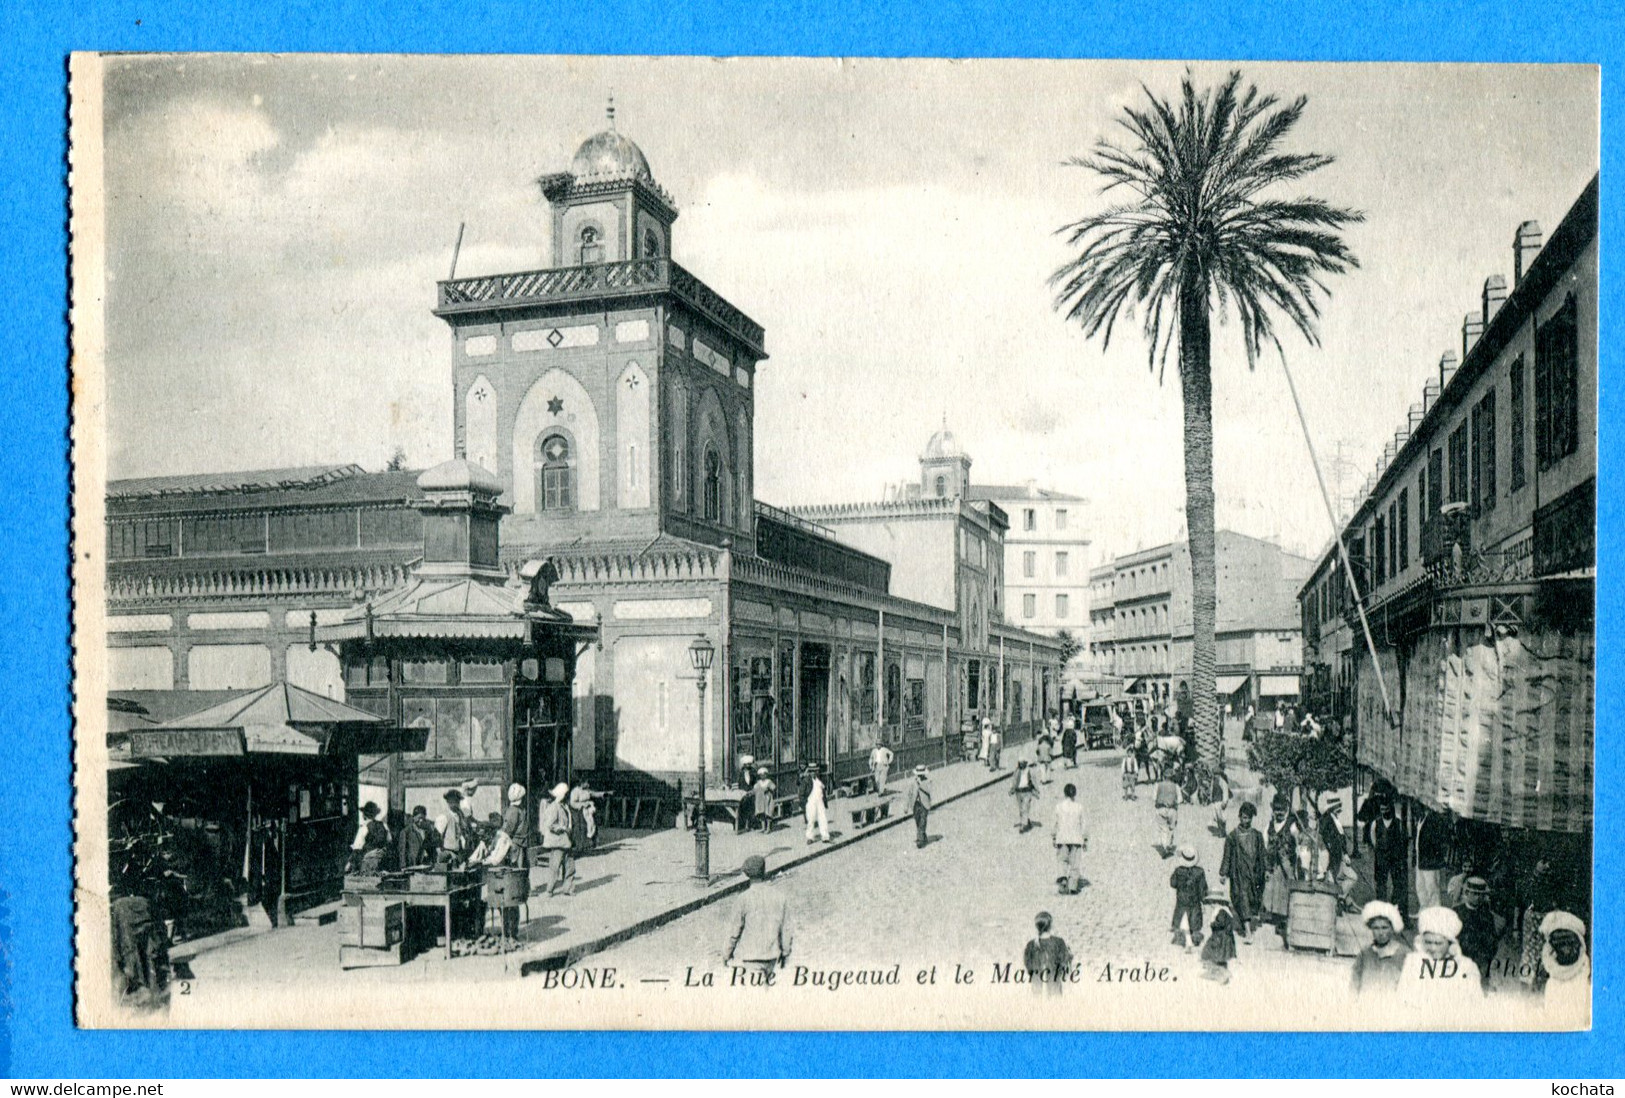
{"x": 943, "y": 444}
{"x": 608, "y": 155}
{"x": 458, "y": 475}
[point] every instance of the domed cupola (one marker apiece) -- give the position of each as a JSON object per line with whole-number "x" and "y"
{"x": 608, "y": 155}
{"x": 944, "y": 467}
{"x": 608, "y": 208}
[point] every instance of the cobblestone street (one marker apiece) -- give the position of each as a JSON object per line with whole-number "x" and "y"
{"x": 971, "y": 894}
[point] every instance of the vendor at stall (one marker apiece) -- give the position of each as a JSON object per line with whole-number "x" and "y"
{"x": 371, "y": 842}
{"x": 456, "y": 830}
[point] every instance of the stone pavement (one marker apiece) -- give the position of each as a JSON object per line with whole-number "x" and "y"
{"x": 636, "y": 881}
{"x": 970, "y": 896}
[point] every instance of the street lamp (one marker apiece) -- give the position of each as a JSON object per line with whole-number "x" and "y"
{"x": 699, "y": 654}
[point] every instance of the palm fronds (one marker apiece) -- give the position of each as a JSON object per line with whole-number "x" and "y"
{"x": 1193, "y": 174}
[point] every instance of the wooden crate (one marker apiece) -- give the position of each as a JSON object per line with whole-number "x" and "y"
{"x": 1311, "y": 920}
{"x": 373, "y": 921}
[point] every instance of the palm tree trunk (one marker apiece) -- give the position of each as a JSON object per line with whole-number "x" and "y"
{"x": 1196, "y": 391}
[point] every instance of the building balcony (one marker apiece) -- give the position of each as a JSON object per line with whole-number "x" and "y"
{"x": 594, "y": 282}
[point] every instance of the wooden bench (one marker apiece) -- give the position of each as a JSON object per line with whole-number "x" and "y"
{"x": 866, "y": 810}
{"x": 631, "y": 811}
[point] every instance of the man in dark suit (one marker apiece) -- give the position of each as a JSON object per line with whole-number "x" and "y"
{"x": 1389, "y": 847}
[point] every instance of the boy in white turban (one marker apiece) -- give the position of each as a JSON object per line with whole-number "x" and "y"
{"x": 1437, "y": 977}
{"x": 1377, "y": 968}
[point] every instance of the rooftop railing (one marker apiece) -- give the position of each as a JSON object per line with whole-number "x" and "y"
{"x": 565, "y": 284}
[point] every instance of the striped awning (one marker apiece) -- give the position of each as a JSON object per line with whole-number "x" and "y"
{"x": 1502, "y": 732}
{"x": 1277, "y": 686}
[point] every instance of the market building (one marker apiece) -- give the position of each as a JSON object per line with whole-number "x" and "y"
{"x": 1473, "y": 547}
{"x": 611, "y": 399}
{"x": 1140, "y": 620}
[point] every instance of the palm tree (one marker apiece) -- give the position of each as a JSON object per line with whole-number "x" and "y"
{"x": 1194, "y": 234}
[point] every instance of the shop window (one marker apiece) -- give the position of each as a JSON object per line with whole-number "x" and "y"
{"x": 894, "y": 693}
{"x": 787, "y": 701}
{"x": 425, "y": 671}
{"x": 486, "y": 730}
{"x": 1557, "y": 387}
{"x": 866, "y": 688}
{"x": 451, "y": 728}
{"x": 481, "y": 671}
{"x": 555, "y": 489}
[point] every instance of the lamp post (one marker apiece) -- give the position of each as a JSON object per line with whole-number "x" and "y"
{"x": 700, "y": 654}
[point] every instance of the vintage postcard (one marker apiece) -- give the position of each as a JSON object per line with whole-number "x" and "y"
{"x": 569, "y": 542}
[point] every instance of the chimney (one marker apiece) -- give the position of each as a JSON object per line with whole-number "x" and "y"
{"x": 1447, "y": 370}
{"x": 1472, "y": 326}
{"x": 1495, "y": 295}
{"x": 1525, "y": 246}
{"x": 1413, "y": 418}
{"x": 1430, "y": 394}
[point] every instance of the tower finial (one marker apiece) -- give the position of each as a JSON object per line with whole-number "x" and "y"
{"x": 610, "y": 111}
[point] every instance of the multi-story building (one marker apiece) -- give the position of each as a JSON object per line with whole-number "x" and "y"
{"x": 1473, "y": 548}
{"x": 1140, "y": 630}
{"x": 612, "y": 397}
{"x": 1039, "y": 581}
{"x": 1046, "y": 562}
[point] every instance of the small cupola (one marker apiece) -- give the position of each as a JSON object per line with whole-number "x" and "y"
{"x": 461, "y": 517}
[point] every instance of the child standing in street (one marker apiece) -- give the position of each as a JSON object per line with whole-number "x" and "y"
{"x": 1131, "y": 772}
{"x": 1220, "y": 949}
{"x": 762, "y": 798}
{"x": 1189, "y": 883}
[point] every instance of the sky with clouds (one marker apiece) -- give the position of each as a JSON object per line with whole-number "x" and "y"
{"x": 276, "y": 226}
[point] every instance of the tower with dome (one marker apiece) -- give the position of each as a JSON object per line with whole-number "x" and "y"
{"x": 610, "y": 393}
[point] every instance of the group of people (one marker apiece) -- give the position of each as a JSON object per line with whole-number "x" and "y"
{"x": 1441, "y": 969}
{"x": 566, "y": 827}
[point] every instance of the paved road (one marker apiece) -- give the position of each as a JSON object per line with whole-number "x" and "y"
{"x": 972, "y": 893}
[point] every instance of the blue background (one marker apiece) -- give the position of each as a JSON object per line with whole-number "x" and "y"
{"x": 35, "y": 899}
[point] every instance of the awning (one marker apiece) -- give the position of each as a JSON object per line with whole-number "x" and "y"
{"x": 1130, "y": 684}
{"x": 279, "y": 719}
{"x": 1275, "y": 686}
{"x": 1225, "y": 685}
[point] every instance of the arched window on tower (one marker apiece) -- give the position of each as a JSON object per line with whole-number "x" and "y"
{"x": 592, "y": 245}
{"x": 651, "y": 244}
{"x": 555, "y": 475}
{"x": 713, "y": 485}
{"x": 942, "y": 487}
